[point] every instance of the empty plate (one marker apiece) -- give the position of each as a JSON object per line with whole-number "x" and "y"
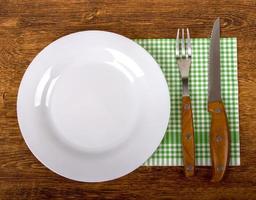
{"x": 93, "y": 106}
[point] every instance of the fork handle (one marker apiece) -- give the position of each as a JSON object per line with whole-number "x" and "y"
{"x": 188, "y": 146}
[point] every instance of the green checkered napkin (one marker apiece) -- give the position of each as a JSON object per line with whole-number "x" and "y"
{"x": 169, "y": 152}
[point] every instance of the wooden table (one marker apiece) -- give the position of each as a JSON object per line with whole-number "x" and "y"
{"x": 28, "y": 26}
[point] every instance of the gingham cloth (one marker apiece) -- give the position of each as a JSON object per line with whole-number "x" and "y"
{"x": 169, "y": 153}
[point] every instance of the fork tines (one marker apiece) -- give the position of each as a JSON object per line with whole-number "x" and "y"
{"x": 185, "y": 51}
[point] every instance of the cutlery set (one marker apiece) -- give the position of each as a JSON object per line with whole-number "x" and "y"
{"x": 219, "y": 131}
{"x": 94, "y": 105}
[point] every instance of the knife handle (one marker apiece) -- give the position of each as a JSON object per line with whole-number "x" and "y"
{"x": 188, "y": 146}
{"x": 219, "y": 140}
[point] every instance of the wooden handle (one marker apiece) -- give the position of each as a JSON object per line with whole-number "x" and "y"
{"x": 188, "y": 146}
{"x": 219, "y": 140}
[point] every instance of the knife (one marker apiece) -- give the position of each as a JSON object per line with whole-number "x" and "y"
{"x": 219, "y": 131}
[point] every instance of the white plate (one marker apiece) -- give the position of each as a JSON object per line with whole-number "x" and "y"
{"x": 93, "y": 106}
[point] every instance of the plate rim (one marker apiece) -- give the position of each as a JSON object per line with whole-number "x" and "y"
{"x": 18, "y": 106}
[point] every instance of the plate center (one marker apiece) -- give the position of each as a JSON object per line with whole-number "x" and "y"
{"x": 93, "y": 107}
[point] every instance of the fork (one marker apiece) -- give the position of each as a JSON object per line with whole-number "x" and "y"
{"x": 183, "y": 57}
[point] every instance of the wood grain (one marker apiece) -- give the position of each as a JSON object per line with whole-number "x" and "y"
{"x": 219, "y": 140}
{"x": 28, "y": 26}
{"x": 187, "y": 137}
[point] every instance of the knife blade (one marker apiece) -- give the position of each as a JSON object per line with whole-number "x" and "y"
{"x": 219, "y": 132}
{"x": 214, "y": 90}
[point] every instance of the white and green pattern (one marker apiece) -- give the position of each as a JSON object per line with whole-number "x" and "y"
{"x": 163, "y": 50}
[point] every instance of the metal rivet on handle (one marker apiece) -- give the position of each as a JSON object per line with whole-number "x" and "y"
{"x": 218, "y": 138}
{"x": 187, "y": 106}
{"x": 217, "y": 110}
{"x": 189, "y": 168}
{"x": 188, "y": 136}
{"x": 220, "y": 168}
